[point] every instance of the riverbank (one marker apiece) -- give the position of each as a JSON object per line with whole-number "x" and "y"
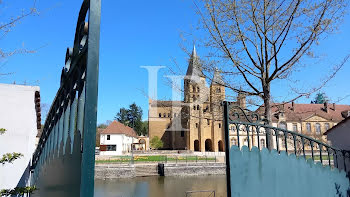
{"x": 119, "y": 171}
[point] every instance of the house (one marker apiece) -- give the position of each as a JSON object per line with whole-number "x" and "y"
{"x": 117, "y": 139}
{"x": 20, "y": 116}
{"x": 312, "y": 120}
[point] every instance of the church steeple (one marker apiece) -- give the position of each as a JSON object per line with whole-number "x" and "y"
{"x": 194, "y": 66}
{"x": 217, "y": 79}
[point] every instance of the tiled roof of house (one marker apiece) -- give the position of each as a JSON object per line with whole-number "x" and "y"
{"x": 296, "y": 112}
{"x": 118, "y": 128}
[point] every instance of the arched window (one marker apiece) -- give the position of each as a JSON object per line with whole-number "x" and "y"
{"x": 194, "y": 88}
{"x": 219, "y": 125}
{"x": 164, "y": 115}
{"x": 326, "y": 126}
{"x": 197, "y": 89}
{"x": 160, "y": 115}
{"x": 318, "y": 128}
{"x": 197, "y": 107}
{"x": 282, "y": 125}
{"x": 194, "y": 107}
{"x": 168, "y": 115}
{"x": 196, "y": 125}
{"x": 308, "y": 127}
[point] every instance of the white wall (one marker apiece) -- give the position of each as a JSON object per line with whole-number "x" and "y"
{"x": 122, "y": 141}
{"x": 18, "y": 117}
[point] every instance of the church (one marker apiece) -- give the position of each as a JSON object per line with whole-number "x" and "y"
{"x": 196, "y": 123}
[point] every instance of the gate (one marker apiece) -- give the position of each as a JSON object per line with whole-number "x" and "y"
{"x": 64, "y": 160}
{"x": 246, "y": 128}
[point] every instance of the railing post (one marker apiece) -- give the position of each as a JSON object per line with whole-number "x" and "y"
{"x": 227, "y": 147}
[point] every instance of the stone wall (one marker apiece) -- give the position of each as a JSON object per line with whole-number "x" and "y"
{"x": 194, "y": 169}
{"x": 114, "y": 171}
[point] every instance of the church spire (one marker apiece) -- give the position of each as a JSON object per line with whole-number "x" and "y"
{"x": 217, "y": 79}
{"x": 194, "y": 66}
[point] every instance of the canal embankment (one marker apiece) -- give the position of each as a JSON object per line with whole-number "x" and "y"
{"x": 117, "y": 171}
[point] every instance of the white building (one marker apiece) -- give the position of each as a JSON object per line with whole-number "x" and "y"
{"x": 20, "y": 116}
{"x": 117, "y": 139}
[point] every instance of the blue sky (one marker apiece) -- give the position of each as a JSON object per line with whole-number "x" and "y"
{"x": 142, "y": 33}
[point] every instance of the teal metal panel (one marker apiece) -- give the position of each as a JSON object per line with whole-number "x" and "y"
{"x": 273, "y": 174}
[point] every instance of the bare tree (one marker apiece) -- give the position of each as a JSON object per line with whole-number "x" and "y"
{"x": 260, "y": 41}
{"x": 7, "y": 26}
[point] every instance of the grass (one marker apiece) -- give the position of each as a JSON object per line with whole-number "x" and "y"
{"x": 156, "y": 158}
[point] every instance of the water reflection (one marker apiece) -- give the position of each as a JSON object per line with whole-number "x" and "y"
{"x": 160, "y": 186}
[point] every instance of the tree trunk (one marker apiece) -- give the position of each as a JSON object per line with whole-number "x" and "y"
{"x": 267, "y": 114}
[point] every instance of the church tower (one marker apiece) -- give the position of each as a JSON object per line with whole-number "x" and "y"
{"x": 217, "y": 95}
{"x": 195, "y": 95}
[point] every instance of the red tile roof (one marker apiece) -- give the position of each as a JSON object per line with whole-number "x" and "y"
{"x": 118, "y": 128}
{"x": 304, "y": 111}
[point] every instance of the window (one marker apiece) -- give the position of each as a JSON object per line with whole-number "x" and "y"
{"x": 295, "y": 127}
{"x": 326, "y": 126}
{"x": 262, "y": 143}
{"x": 164, "y": 115}
{"x": 182, "y": 133}
{"x": 218, "y": 90}
{"x": 174, "y": 114}
{"x": 219, "y": 125}
{"x": 111, "y": 147}
{"x": 160, "y": 115}
{"x": 169, "y": 115}
{"x": 318, "y": 128}
{"x": 308, "y": 127}
{"x": 194, "y": 89}
{"x": 197, "y": 107}
{"x": 108, "y": 137}
{"x": 197, "y": 89}
{"x": 282, "y": 125}
{"x": 208, "y": 121}
{"x": 196, "y": 125}
{"x": 194, "y": 107}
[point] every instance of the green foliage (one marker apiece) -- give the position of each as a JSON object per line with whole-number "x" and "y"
{"x": 102, "y": 126}
{"x": 10, "y": 157}
{"x": 320, "y": 98}
{"x": 144, "y": 130}
{"x": 18, "y": 191}
{"x": 2, "y": 131}
{"x": 131, "y": 117}
{"x": 156, "y": 143}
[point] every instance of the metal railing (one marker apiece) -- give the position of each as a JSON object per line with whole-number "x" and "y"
{"x": 246, "y": 128}
{"x": 68, "y": 138}
{"x": 159, "y": 159}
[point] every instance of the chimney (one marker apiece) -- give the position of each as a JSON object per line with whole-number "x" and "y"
{"x": 325, "y": 104}
{"x": 292, "y": 105}
{"x": 333, "y": 106}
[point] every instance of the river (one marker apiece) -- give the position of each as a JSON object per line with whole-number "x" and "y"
{"x": 161, "y": 186}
